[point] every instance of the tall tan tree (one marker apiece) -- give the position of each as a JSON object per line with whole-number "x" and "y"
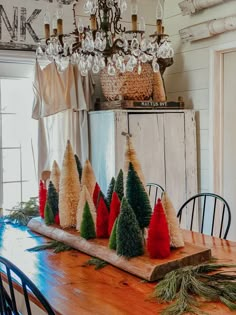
{"x": 69, "y": 189}
{"x": 176, "y": 236}
{"x": 88, "y": 178}
{"x": 55, "y": 175}
{"x": 131, "y": 157}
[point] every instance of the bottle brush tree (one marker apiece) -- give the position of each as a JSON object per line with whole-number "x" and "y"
{"x": 96, "y": 194}
{"x": 101, "y": 194}
{"x": 114, "y": 211}
{"x": 102, "y": 219}
{"x": 138, "y": 198}
{"x": 131, "y": 157}
{"x": 85, "y": 198}
{"x": 129, "y": 241}
{"x": 176, "y": 236}
{"x": 110, "y": 190}
{"x": 119, "y": 185}
{"x": 69, "y": 189}
{"x": 112, "y": 239}
{"x": 42, "y": 198}
{"x": 87, "y": 228}
{"x": 79, "y": 166}
{"x": 55, "y": 175}
{"x": 88, "y": 178}
{"x": 48, "y": 214}
{"x": 52, "y": 198}
{"x": 158, "y": 241}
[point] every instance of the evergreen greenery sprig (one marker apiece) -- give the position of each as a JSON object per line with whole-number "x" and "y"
{"x": 55, "y": 245}
{"x": 184, "y": 285}
{"x": 24, "y": 211}
{"x": 98, "y": 263}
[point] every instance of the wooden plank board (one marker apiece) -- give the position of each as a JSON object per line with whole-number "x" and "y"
{"x": 175, "y": 157}
{"x": 143, "y": 266}
{"x": 147, "y": 135}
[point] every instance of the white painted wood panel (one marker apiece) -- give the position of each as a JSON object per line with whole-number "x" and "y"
{"x": 165, "y": 143}
{"x": 229, "y": 130}
{"x": 197, "y": 99}
{"x": 121, "y": 119}
{"x": 190, "y": 154}
{"x": 175, "y": 164}
{"x": 148, "y": 139}
{"x": 190, "y": 60}
{"x": 190, "y": 80}
{"x": 102, "y": 147}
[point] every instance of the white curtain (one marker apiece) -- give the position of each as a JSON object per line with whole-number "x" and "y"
{"x": 62, "y": 101}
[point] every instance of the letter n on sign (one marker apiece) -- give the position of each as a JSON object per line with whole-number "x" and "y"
{"x": 22, "y": 22}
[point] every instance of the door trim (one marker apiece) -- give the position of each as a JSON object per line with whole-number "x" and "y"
{"x": 216, "y": 116}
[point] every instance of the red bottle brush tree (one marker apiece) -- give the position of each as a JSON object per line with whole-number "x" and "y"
{"x": 57, "y": 219}
{"x": 102, "y": 219}
{"x": 96, "y": 194}
{"x": 158, "y": 241}
{"x": 114, "y": 211}
{"x": 42, "y": 198}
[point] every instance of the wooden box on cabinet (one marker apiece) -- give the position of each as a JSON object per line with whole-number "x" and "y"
{"x": 165, "y": 142}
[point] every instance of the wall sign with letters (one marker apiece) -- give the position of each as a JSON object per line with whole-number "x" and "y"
{"x": 22, "y": 22}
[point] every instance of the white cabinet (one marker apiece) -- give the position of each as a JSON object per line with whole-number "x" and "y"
{"x": 165, "y": 142}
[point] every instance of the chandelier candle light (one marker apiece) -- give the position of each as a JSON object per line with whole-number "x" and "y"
{"x": 105, "y": 42}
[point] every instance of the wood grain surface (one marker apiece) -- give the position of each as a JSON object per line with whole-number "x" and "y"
{"x": 142, "y": 266}
{"x": 73, "y": 288}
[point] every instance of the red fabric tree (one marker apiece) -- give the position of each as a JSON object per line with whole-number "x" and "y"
{"x": 114, "y": 211}
{"x": 42, "y": 198}
{"x": 57, "y": 219}
{"x": 102, "y": 219}
{"x": 158, "y": 242}
{"x": 96, "y": 194}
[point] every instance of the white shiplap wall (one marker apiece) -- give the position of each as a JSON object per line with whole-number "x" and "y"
{"x": 190, "y": 74}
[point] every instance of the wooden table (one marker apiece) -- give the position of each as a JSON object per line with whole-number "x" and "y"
{"x": 74, "y": 289}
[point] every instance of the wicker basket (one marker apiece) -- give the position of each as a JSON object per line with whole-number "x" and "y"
{"x": 128, "y": 85}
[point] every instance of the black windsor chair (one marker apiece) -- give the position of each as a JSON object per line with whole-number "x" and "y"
{"x": 155, "y": 191}
{"x": 206, "y": 207}
{"x": 11, "y": 279}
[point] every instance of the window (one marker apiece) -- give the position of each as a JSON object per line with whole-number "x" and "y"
{"x": 18, "y": 143}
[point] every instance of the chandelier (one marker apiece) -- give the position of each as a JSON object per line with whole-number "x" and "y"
{"x": 105, "y": 42}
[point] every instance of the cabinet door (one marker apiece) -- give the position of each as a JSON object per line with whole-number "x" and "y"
{"x": 148, "y": 139}
{"x": 159, "y": 140}
{"x": 175, "y": 155}
{"x": 102, "y": 147}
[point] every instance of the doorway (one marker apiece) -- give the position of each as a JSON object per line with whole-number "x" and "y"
{"x": 223, "y": 128}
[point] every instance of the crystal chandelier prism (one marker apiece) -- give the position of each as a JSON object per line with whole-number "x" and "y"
{"x": 105, "y": 42}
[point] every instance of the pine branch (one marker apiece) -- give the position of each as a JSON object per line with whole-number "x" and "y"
{"x": 98, "y": 263}
{"x": 55, "y": 245}
{"x": 23, "y": 212}
{"x": 187, "y": 286}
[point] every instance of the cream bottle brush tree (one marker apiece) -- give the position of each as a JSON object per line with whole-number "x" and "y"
{"x": 69, "y": 189}
{"x": 55, "y": 175}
